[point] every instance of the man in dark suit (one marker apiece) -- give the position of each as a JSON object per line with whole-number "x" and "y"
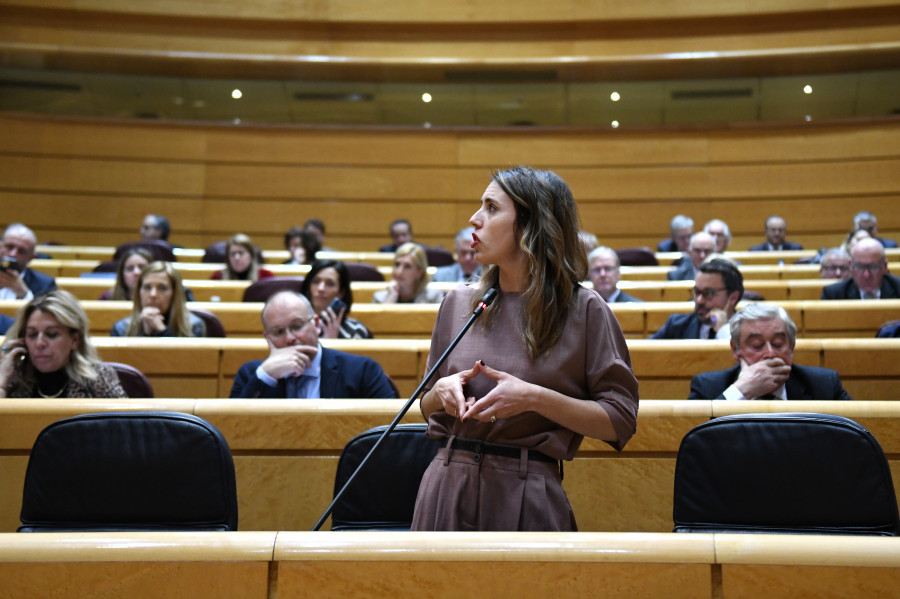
{"x": 776, "y": 231}
{"x": 869, "y": 278}
{"x": 681, "y": 228}
{"x": 298, "y": 366}
{"x": 603, "y": 270}
{"x": 718, "y": 288}
{"x": 700, "y": 247}
{"x": 401, "y": 232}
{"x": 868, "y": 221}
{"x": 762, "y": 342}
{"x": 18, "y": 243}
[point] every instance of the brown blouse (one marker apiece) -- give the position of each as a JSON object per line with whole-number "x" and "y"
{"x": 589, "y": 362}
{"x": 106, "y": 385}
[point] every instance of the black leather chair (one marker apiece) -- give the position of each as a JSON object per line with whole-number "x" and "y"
{"x": 439, "y": 257}
{"x": 129, "y": 471}
{"x": 639, "y": 256}
{"x": 160, "y": 250}
{"x": 135, "y": 383}
{"x": 383, "y": 494}
{"x": 261, "y": 290}
{"x": 363, "y": 271}
{"x": 783, "y": 473}
{"x": 214, "y": 326}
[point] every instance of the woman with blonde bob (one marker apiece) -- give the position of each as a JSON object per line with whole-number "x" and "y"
{"x": 545, "y": 366}
{"x": 410, "y": 279}
{"x": 48, "y": 353}
{"x": 160, "y": 308}
{"x": 242, "y": 261}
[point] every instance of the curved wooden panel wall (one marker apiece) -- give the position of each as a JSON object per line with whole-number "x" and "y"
{"x": 84, "y": 182}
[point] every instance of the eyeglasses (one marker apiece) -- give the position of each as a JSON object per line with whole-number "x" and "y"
{"x": 869, "y": 268}
{"x": 294, "y": 329}
{"x": 835, "y": 268}
{"x": 706, "y": 294}
{"x": 602, "y": 269}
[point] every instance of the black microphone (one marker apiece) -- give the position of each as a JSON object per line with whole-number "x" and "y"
{"x": 485, "y": 301}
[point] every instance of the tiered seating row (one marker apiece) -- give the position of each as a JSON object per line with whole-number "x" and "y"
{"x": 286, "y": 453}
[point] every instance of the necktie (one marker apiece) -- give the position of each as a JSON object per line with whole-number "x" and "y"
{"x": 869, "y": 295}
{"x": 712, "y": 333}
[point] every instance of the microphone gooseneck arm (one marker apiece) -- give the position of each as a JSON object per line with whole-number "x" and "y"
{"x": 486, "y": 301}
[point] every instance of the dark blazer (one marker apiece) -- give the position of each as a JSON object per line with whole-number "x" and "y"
{"x": 667, "y": 245}
{"x": 886, "y": 243}
{"x": 683, "y": 272}
{"x": 890, "y": 289}
{"x": 624, "y": 297}
{"x": 38, "y": 282}
{"x": 5, "y": 323}
{"x": 343, "y": 376}
{"x": 679, "y": 326}
{"x": 787, "y": 245}
{"x": 804, "y": 382}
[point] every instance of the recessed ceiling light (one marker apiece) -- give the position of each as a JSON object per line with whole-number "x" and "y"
{"x": 615, "y": 97}
{"x": 426, "y": 97}
{"x": 614, "y": 124}
{"x": 807, "y": 89}
{"x": 236, "y": 94}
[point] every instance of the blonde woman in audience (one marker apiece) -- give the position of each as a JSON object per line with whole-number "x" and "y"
{"x": 410, "y": 279}
{"x": 160, "y": 308}
{"x": 48, "y": 353}
{"x": 242, "y": 261}
{"x": 127, "y": 274}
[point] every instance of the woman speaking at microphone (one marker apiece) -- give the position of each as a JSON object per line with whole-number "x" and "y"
{"x": 546, "y": 366}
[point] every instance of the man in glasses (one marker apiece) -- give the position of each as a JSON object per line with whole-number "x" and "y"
{"x": 603, "y": 270}
{"x": 298, "y": 367}
{"x": 762, "y": 342}
{"x": 835, "y": 264}
{"x": 701, "y": 246}
{"x": 681, "y": 229}
{"x": 718, "y": 287}
{"x": 869, "y": 278}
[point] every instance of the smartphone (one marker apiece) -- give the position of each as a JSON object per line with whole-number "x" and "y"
{"x": 8, "y": 263}
{"x": 337, "y": 305}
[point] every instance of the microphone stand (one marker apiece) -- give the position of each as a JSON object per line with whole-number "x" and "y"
{"x": 486, "y": 301}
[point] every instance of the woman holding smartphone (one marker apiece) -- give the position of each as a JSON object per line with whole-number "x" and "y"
{"x": 327, "y": 286}
{"x": 48, "y": 353}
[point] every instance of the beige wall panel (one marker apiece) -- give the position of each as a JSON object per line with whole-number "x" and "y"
{"x": 136, "y": 580}
{"x": 13, "y": 468}
{"x": 102, "y": 176}
{"x": 789, "y": 582}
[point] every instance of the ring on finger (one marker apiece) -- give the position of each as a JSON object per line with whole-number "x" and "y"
{"x": 493, "y": 418}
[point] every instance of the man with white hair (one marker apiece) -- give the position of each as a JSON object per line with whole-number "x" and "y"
{"x": 720, "y": 232}
{"x": 702, "y": 245}
{"x": 869, "y": 278}
{"x": 681, "y": 228}
{"x": 762, "y": 342}
{"x": 868, "y": 222}
{"x": 17, "y": 281}
{"x": 466, "y": 269}
{"x": 603, "y": 270}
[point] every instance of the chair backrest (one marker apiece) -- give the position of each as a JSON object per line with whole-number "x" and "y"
{"x": 214, "y": 326}
{"x": 383, "y": 494}
{"x": 129, "y": 471}
{"x": 439, "y": 257}
{"x": 363, "y": 271}
{"x": 783, "y": 473}
{"x": 640, "y": 256}
{"x": 215, "y": 252}
{"x": 261, "y": 290}
{"x": 107, "y": 266}
{"x": 753, "y": 296}
{"x": 160, "y": 250}
{"x": 133, "y": 381}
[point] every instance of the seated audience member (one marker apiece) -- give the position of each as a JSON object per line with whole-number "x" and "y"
{"x": 868, "y": 221}
{"x": 835, "y": 264}
{"x": 18, "y": 243}
{"x": 155, "y": 227}
{"x": 681, "y": 229}
{"x": 700, "y": 247}
{"x": 588, "y": 240}
{"x": 48, "y": 353}
{"x": 326, "y": 281}
{"x": 298, "y": 367}
{"x": 603, "y": 269}
{"x": 718, "y": 288}
{"x": 869, "y": 278}
{"x": 242, "y": 261}
{"x": 776, "y": 231}
{"x": 160, "y": 308}
{"x": 317, "y": 227}
{"x": 762, "y": 342}
{"x": 410, "y": 279}
{"x": 302, "y": 245}
{"x": 401, "y": 232}
{"x": 5, "y": 323}
{"x": 854, "y": 237}
{"x": 466, "y": 269}
{"x": 720, "y": 232}
{"x": 128, "y": 272}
